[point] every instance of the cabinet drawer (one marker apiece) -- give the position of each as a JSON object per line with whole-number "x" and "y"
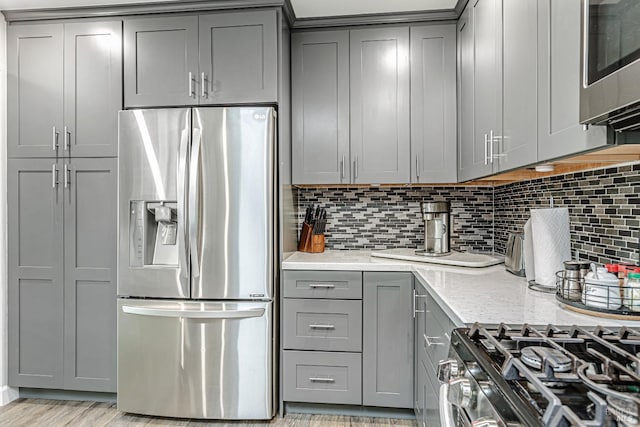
{"x": 322, "y": 377}
{"x": 332, "y": 325}
{"x": 323, "y": 284}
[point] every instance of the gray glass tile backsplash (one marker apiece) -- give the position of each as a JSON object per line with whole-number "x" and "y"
{"x": 604, "y": 209}
{"x": 389, "y": 217}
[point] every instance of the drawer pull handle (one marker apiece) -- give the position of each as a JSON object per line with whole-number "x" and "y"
{"x": 322, "y": 380}
{"x": 321, "y": 286}
{"x": 322, "y": 327}
{"x": 431, "y": 341}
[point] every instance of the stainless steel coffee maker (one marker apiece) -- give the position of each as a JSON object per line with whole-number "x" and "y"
{"x": 436, "y": 228}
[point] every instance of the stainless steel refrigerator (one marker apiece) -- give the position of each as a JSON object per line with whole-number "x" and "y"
{"x": 196, "y": 262}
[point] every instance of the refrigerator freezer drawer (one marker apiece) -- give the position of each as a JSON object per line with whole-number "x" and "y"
{"x": 196, "y": 359}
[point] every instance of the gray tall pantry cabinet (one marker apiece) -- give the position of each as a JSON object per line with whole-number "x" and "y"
{"x": 64, "y": 92}
{"x": 216, "y": 58}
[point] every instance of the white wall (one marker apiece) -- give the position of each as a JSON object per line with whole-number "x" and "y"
{"x": 7, "y": 394}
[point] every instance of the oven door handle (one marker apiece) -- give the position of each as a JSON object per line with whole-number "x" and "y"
{"x": 446, "y": 411}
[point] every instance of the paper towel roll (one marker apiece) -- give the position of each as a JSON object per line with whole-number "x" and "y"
{"x": 551, "y": 243}
{"x": 529, "y": 263}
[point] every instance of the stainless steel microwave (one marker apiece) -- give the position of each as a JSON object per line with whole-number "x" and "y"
{"x": 610, "y": 87}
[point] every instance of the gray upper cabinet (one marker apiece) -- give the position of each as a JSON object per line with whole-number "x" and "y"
{"x": 62, "y": 270}
{"x": 387, "y": 340}
{"x": 35, "y": 291}
{"x": 379, "y": 81}
{"x": 65, "y": 89}
{"x": 433, "y": 103}
{"x": 161, "y": 61}
{"x": 320, "y": 106}
{"x": 472, "y": 144}
{"x": 34, "y": 90}
{"x": 559, "y": 129}
{"x": 518, "y": 145}
{"x": 90, "y": 187}
{"x": 92, "y": 88}
{"x": 238, "y": 57}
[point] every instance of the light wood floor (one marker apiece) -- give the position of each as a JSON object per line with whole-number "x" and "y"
{"x": 50, "y": 413}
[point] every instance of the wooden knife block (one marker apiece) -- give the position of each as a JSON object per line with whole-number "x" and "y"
{"x": 310, "y": 242}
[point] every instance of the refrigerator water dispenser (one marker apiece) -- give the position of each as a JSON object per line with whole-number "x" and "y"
{"x": 153, "y": 233}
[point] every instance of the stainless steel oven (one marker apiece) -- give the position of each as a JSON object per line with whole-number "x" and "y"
{"x": 610, "y": 87}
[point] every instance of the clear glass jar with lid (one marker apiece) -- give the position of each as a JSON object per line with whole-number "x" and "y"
{"x": 632, "y": 292}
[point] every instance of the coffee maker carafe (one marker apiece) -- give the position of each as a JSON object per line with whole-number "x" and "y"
{"x": 436, "y": 228}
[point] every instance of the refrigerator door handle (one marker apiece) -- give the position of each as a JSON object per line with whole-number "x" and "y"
{"x": 194, "y": 217}
{"x": 194, "y": 314}
{"x": 182, "y": 205}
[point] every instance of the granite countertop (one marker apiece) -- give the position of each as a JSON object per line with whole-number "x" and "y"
{"x": 489, "y": 295}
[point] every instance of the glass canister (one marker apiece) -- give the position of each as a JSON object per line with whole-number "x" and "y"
{"x": 632, "y": 292}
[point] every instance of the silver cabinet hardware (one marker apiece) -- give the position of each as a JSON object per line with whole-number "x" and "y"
{"x": 322, "y": 380}
{"x": 491, "y": 146}
{"x": 192, "y": 92}
{"x": 322, "y": 327}
{"x": 342, "y": 168}
{"x": 67, "y": 176}
{"x": 54, "y": 176}
{"x": 414, "y": 303}
{"x": 54, "y": 139}
{"x": 322, "y": 285}
{"x": 67, "y": 137}
{"x": 356, "y": 167}
{"x": 203, "y": 85}
{"x": 431, "y": 341}
{"x": 486, "y": 148}
{"x": 417, "y": 167}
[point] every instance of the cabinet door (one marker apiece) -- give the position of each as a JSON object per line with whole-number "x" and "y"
{"x": 90, "y": 200}
{"x": 161, "y": 61}
{"x": 238, "y": 57}
{"x": 379, "y": 71}
{"x": 92, "y": 88}
{"x": 387, "y": 340}
{"x": 35, "y": 291}
{"x": 320, "y": 105}
{"x": 34, "y": 91}
{"x": 418, "y": 358}
{"x": 518, "y": 144}
{"x": 480, "y": 82}
{"x": 433, "y": 104}
{"x": 559, "y": 129}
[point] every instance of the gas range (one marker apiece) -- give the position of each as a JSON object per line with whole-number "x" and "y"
{"x": 505, "y": 376}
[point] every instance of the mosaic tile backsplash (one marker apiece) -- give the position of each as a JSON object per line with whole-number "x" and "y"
{"x": 389, "y": 217}
{"x": 604, "y": 210}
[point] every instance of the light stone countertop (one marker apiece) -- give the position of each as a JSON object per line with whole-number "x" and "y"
{"x": 489, "y": 295}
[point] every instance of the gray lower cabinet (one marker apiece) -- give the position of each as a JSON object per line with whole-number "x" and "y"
{"x": 320, "y": 107}
{"x": 62, "y": 269}
{"x": 322, "y": 377}
{"x": 433, "y": 103}
{"x": 90, "y": 274}
{"x": 559, "y": 129}
{"x": 238, "y": 57}
{"x": 71, "y": 109}
{"x": 35, "y": 267}
{"x": 379, "y": 105}
{"x": 218, "y": 58}
{"x": 161, "y": 61}
{"x": 432, "y": 328}
{"x": 348, "y": 338}
{"x": 387, "y": 343}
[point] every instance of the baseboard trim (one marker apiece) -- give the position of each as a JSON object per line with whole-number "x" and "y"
{"x": 88, "y": 396}
{"x": 8, "y": 395}
{"x": 348, "y": 410}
